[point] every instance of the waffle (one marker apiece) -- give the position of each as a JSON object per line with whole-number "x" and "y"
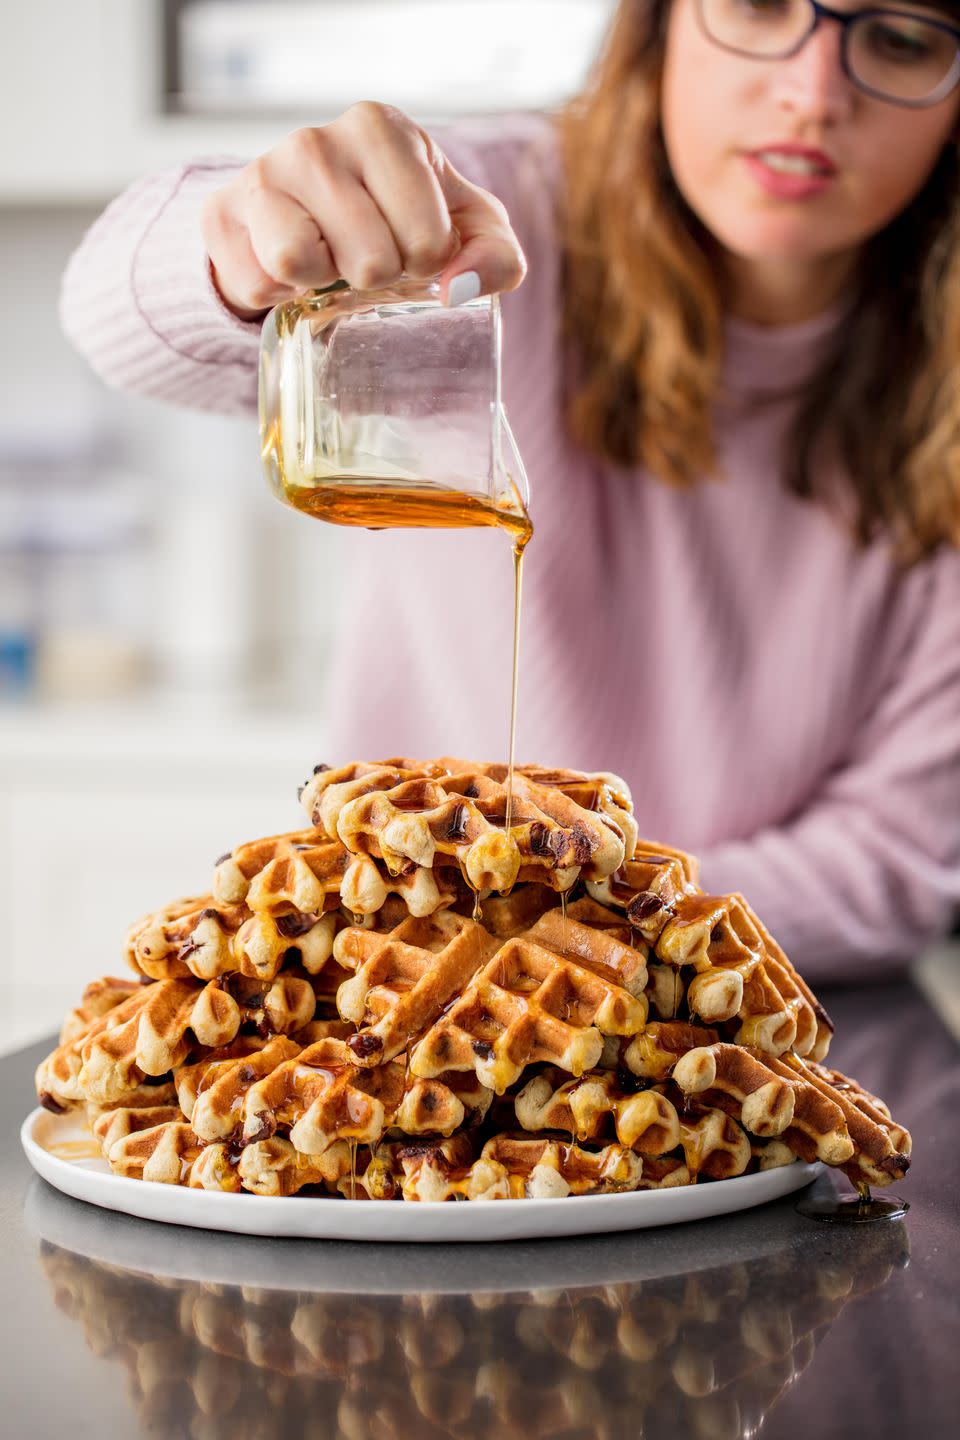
{"x": 116, "y": 1124}
{"x": 172, "y": 1154}
{"x": 508, "y": 1167}
{"x": 739, "y": 970}
{"x": 654, "y": 1052}
{"x": 818, "y": 1113}
{"x": 300, "y": 872}
{"x": 455, "y": 813}
{"x": 306, "y": 873}
{"x": 99, "y": 997}
{"x": 154, "y": 1030}
{"x": 645, "y": 1120}
{"x": 200, "y": 938}
{"x": 191, "y": 1080}
{"x": 650, "y": 1121}
{"x": 316, "y": 1094}
{"x": 527, "y": 1004}
{"x": 404, "y": 977}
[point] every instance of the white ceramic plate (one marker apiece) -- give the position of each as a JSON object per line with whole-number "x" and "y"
{"x": 59, "y": 1147}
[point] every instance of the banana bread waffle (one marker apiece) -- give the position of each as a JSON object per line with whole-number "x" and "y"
{"x": 410, "y": 1001}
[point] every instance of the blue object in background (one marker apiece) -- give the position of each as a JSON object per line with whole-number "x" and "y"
{"x": 18, "y": 653}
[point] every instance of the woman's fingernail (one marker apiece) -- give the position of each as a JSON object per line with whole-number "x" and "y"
{"x": 463, "y": 288}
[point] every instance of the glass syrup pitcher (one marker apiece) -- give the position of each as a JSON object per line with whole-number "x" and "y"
{"x": 383, "y": 408}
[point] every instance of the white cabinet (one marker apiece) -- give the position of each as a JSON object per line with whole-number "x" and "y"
{"x": 103, "y": 817}
{"x": 82, "y": 104}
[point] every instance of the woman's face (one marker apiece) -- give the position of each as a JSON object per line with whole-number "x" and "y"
{"x": 722, "y": 112}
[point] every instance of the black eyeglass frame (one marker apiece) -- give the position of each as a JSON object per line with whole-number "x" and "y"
{"x": 847, "y": 19}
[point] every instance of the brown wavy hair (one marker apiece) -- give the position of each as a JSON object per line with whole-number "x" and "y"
{"x": 643, "y": 309}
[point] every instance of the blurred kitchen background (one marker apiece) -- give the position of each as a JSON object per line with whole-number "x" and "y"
{"x": 163, "y": 627}
{"x": 163, "y": 631}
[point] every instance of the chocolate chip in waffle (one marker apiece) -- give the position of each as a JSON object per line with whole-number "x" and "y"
{"x": 432, "y": 816}
{"x": 201, "y": 938}
{"x": 528, "y": 1004}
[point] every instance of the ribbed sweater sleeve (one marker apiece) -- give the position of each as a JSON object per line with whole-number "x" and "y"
{"x": 138, "y": 301}
{"x": 869, "y": 873}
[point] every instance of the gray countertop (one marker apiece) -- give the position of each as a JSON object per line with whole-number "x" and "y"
{"x": 764, "y": 1322}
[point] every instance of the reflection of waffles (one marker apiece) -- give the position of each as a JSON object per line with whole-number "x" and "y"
{"x": 712, "y": 1351}
{"x": 414, "y": 1000}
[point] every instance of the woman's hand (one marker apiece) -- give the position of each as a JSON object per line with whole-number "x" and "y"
{"x": 366, "y": 199}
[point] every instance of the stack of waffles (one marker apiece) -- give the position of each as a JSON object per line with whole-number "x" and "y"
{"x": 447, "y": 990}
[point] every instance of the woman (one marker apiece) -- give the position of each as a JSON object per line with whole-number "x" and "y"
{"x": 731, "y": 369}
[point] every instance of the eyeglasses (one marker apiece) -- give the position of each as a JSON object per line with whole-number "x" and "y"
{"x": 895, "y": 55}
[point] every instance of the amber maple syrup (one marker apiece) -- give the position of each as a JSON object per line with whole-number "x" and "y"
{"x": 862, "y": 1209}
{"x": 375, "y": 504}
{"x": 87, "y": 1149}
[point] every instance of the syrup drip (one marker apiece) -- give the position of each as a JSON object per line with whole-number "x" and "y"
{"x": 847, "y": 1210}
{"x": 517, "y": 591}
{"x": 378, "y": 506}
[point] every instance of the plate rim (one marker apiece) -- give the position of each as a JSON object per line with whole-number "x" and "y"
{"x": 513, "y": 1219}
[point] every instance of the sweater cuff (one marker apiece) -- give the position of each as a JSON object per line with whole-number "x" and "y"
{"x": 172, "y": 284}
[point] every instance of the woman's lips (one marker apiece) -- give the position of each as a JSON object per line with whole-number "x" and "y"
{"x": 799, "y": 184}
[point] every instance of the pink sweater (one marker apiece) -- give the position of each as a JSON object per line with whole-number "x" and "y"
{"x": 782, "y": 704}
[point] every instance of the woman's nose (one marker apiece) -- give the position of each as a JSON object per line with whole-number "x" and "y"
{"x": 812, "y": 84}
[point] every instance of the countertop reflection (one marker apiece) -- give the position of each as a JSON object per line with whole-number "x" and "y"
{"x": 711, "y": 1350}
{"x": 760, "y": 1323}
